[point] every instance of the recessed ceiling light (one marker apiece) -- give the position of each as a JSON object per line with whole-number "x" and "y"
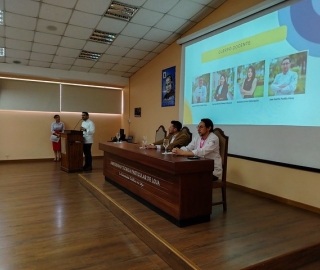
{"x": 51, "y": 28}
{"x": 89, "y": 55}
{"x": 121, "y": 11}
{"x": 102, "y": 37}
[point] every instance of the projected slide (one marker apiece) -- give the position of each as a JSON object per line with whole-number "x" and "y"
{"x": 263, "y": 72}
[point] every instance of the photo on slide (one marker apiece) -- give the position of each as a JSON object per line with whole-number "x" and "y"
{"x": 223, "y": 85}
{"x": 250, "y": 80}
{"x": 288, "y": 75}
{"x": 201, "y": 89}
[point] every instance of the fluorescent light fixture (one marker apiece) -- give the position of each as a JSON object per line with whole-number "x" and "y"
{"x": 89, "y": 55}
{"x": 2, "y": 51}
{"x": 1, "y": 17}
{"x": 102, "y": 37}
{"x": 121, "y": 11}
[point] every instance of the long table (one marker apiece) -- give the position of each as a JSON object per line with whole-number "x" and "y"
{"x": 176, "y": 187}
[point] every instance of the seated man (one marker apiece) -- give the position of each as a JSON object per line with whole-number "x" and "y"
{"x": 175, "y": 137}
{"x": 205, "y": 145}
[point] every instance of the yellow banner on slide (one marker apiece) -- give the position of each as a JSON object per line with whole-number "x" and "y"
{"x": 246, "y": 44}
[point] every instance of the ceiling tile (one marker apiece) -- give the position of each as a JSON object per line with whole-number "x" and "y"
{"x": 98, "y": 70}
{"x": 16, "y": 33}
{"x": 128, "y": 61}
{"x": 72, "y": 43}
{"x": 41, "y": 57}
{"x": 84, "y": 63}
{"x": 102, "y": 65}
{"x": 170, "y": 23}
{"x": 137, "y": 54}
{"x": 60, "y": 66}
{"x": 110, "y": 58}
{"x": 160, "y": 6}
{"x": 19, "y": 21}
{"x": 2, "y": 42}
{"x": 172, "y": 38}
{"x": 68, "y": 52}
{"x": 95, "y": 47}
{"x": 63, "y": 28}
{"x": 39, "y": 64}
{"x": 201, "y": 14}
{"x": 115, "y": 73}
{"x": 47, "y": 38}
{"x": 119, "y": 67}
{"x": 82, "y": 69}
{"x": 135, "y": 30}
{"x": 54, "y": 13}
{"x": 142, "y": 63}
{"x": 133, "y": 69}
{"x": 18, "y": 44}
{"x": 17, "y": 54}
{"x": 27, "y": 8}
{"x": 111, "y": 25}
{"x": 185, "y": 9}
{"x": 44, "y": 26}
{"x": 63, "y": 60}
{"x": 125, "y": 41}
{"x": 216, "y": 3}
{"x": 113, "y": 50}
{"x": 10, "y": 60}
{"x": 147, "y": 17}
{"x": 157, "y": 35}
{"x": 160, "y": 48}
{"x": 150, "y": 56}
{"x": 78, "y": 32}
{"x": 61, "y": 3}
{"x": 98, "y": 7}
{"x": 137, "y": 3}
{"x": 43, "y": 48}
{"x": 186, "y": 27}
{"x": 203, "y": 2}
{"x": 146, "y": 45}
{"x": 84, "y": 19}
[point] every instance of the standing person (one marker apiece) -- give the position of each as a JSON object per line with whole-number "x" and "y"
{"x": 285, "y": 83}
{"x": 200, "y": 93}
{"x": 222, "y": 89}
{"x": 57, "y": 127}
{"x": 249, "y": 84}
{"x": 176, "y": 137}
{"x": 205, "y": 145}
{"x": 88, "y": 129}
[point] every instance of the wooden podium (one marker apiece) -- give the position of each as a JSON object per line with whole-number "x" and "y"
{"x": 72, "y": 151}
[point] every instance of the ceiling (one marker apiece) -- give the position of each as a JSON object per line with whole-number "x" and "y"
{"x": 52, "y": 33}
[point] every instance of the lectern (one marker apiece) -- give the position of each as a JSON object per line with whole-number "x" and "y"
{"x": 72, "y": 151}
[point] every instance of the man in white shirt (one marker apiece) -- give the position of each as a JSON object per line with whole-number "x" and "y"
{"x": 285, "y": 83}
{"x": 200, "y": 93}
{"x": 88, "y": 129}
{"x": 205, "y": 145}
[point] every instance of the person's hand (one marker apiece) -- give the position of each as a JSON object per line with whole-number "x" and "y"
{"x": 150, "y": 146}
{"x": 175, "y": 151}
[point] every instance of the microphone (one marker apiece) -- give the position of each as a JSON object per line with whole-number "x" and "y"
{"x": 77, "y": 124}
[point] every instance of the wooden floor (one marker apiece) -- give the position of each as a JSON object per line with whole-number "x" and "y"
{"x": 49, "y": 220}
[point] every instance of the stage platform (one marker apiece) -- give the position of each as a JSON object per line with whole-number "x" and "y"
{"x": 255, "y": 232}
